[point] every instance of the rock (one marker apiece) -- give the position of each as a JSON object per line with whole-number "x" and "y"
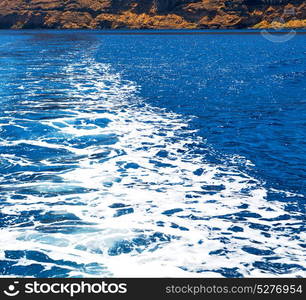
{"x": 104, "y": 14}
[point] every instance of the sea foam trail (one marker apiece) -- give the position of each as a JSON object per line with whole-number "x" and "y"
{"x": 129, "y": 191}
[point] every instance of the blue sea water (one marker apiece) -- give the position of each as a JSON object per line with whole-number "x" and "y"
{"x": 152, "y": 154}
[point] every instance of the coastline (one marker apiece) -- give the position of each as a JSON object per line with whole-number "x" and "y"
{"x": 127, "y": 31}
{"x": 151, "y": 14}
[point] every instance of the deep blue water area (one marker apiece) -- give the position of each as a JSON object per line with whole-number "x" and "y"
{"x": 152, "y": 154}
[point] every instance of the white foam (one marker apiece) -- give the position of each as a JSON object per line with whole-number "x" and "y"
{"x": 149, "y": 190}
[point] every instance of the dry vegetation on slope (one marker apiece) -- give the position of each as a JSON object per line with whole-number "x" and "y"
{"x": 104, "y": 14}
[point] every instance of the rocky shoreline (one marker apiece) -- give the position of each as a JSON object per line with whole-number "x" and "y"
{"x": 152, "y": 14}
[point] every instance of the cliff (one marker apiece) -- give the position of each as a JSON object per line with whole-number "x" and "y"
{"x": 105, "y": 14}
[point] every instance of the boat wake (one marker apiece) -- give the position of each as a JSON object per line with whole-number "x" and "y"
{"x": 96, "y": 182}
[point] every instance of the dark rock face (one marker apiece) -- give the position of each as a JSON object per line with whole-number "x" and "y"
{"x": 150, "y": 13}
{"x": 162, "y": 6}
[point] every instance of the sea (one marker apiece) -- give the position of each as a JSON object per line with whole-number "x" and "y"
{"x": 152, "y": 154}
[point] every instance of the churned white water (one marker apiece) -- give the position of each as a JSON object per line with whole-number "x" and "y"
{"x": 129, "y": 191}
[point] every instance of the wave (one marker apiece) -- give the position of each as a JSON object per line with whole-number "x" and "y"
{"x": 96, "y": 182}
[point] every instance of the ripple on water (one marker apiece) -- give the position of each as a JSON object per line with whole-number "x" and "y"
{"x": 95, "y": 182}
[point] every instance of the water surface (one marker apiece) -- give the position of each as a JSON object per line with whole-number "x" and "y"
{"x": 151, "y": 155}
